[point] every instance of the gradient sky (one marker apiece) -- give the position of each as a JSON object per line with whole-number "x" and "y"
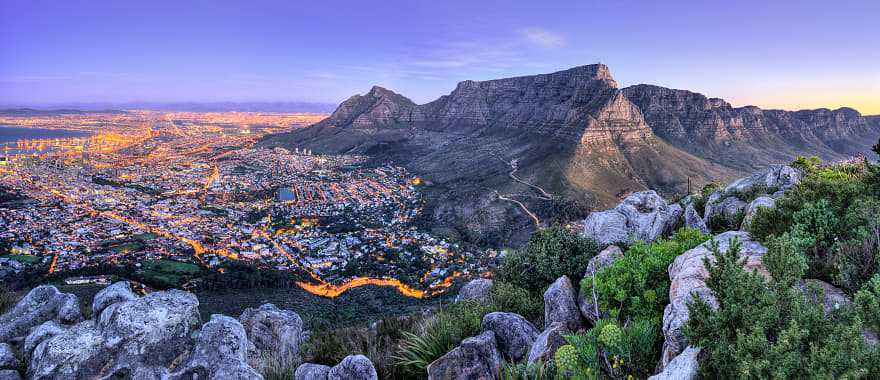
{"x": 774, "y": 54}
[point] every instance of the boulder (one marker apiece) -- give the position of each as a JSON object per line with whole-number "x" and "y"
{"x": 9, "y": 374}
{"x": 773, "y": 177}
{"x": 138, "y": 338}
{"x": 475, "y": 358}
{"x": 644, "y": 215}
{"x": 309, "y": 371}
{"x": 688, "y": 280}
{"x": 270, "y": 329}
{"x": 220, "y": 353}
{"x": 477, "y": 289}
{"x": 693, "y": 220}
{"x": 560, "y": 305}
{"x": 832, "y": 298}
{"x": 728, "y": 207}
{"x": 548, "y": 342}
{"x": 682, "y": 367}
{"x": 604, "y": 259}
{"x": 752, "y": 209}
{"x": 118, "y": 292}
{"x": 39, "y": 334}
{"x": 41, "y": 304}
{"x": 7, "y": 357}
{"x": 353, "y": 367}
{"x": 514, "y": 335}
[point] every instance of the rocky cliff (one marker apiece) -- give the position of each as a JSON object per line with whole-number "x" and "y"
{"x": 499, "y": 154}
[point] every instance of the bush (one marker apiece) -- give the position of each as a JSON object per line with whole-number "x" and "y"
{"x": 867, "y": 303}
{"x": 612, "y": 350}
{"x": 808, "y": 165}
{"x": 276, "y": 367}
{"x": 637, "y": 284}
{"x": 523, "y": 371}
{"x": 549, "y": 254}
{"x": 770, "y": 329}
{"x": 513, "y": 299}
{"x": 719, "y": 222}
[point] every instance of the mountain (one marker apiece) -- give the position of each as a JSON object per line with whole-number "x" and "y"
{"x": 749, "y": 138}
{"x": 572, "y": 133}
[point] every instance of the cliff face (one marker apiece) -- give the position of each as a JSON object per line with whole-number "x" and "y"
{"x": 572, "y": 133}
{"x": 749, "y": 137}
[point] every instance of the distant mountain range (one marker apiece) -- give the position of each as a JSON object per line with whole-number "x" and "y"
{"x": 189, "y": 107}
{"x": 573, "y": 134}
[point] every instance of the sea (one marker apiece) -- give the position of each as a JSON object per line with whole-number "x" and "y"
{"x": 10, "y": 133}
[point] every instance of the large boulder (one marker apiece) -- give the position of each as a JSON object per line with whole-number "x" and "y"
{"x": 692, "y": 219}
{"x": 476, "y": 358}
{"x": 271, "y": 329}
{"x": 682, "y": 367}
{"x": 752, "y": 209}
{"x": 644, "y": 215}
{"x": 477, "y": 289}
{"x": 220, "y": 353}
{"x": 41, "y": 304}
{"x": 772, "y": 178}
{"x": 548, "y": 342}
{"x": 39, "y": 334}
{"x": 730, "y": 208}
{"x": 7, "y": 357}
{"x": 513, "y": 333}
{"x": 310, "y": 371}
{"x": 118, "y": 292}
{"x": 560, "y": 305}
{"x": 688, "y": 280}
{"x": 139, "y": 338}
{"x": 353, "y": 367}
{"x": 604, "y": 259}
{"x": 832, "y": 297}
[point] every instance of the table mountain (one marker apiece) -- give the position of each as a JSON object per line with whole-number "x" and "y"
{"x": 498, "y": 155}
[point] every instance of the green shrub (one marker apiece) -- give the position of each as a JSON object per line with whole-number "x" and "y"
{"x": 513, "y": 299}
{"x": 523, "y": 371}
{"x": 867, "y": 301}
{"x": 276, "y": 367}
{"x": 703, "y": 197}
{"x": 720, "y": 223}
{"x": 549, "y": 254}
{"x": 440, "y": 334}
{"x": 612, "y": 350}
{"x": 637, "y": 284}
{"x": 770, "y": 329}
{"x": 808, "y": 165}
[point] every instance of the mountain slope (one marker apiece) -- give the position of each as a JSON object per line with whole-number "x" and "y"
{"x": 572, "y": 133}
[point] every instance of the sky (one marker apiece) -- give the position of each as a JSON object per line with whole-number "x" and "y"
{"x": 773, "y": 54}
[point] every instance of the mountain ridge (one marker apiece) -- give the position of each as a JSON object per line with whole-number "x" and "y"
{"x": 573, "y": 133}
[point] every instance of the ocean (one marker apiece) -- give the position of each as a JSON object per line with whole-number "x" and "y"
{"x": 11, "y": 134}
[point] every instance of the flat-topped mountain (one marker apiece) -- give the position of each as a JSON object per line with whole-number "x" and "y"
{"x": 498, "y": 154}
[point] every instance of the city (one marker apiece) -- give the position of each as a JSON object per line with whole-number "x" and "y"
{"x": 191, "y": 191}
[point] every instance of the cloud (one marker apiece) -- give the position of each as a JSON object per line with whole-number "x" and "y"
{"x": 542, "y": 38}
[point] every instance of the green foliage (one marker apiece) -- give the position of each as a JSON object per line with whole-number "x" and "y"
{"x": 633, "y": 291}
{"x": 524, "y": 371}
{"x": 867, "y": 302}
{"x": 637, "y": 284}
{"x": 703, "y": 197}
{"x": 611, "y": 350}
{"x": 445, "y": 330}
{"x": 834, "y": 218}
{"x": 808, "y": 165}
{"x": 720, "y": 223}
{"x": 770, "y": 329}
{"x": 276, "y": 367}
{"x": 549, "y": 254}
{"x": 329, "y": 346}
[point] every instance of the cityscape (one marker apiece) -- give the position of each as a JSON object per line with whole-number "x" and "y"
{"x": 172, "y": 189}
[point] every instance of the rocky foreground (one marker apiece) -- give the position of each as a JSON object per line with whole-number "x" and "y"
{"x": 160, "y": 335}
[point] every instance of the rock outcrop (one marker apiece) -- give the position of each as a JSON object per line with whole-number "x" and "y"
{"x": 41, "y": 304}
{"x": 548, "y": 342}
{"x": 273, "y": 330}
{"x": 692, "y": 219}
{"x": 353, "y": 367}
{"x": 644, "y": 216}
{"x": 688, "y": 280}
{"x": 604, "y": 259}
{"x": 772, "y": 178}
{"x": 309, "y": 371}
{"x": 682, "y": 367}
{"x": 477, "y": 289}
{"x": 117, "y": 292}
{"x": 475, "y": 358}
{"x": 7, "y": 357}
{"x": 560, "y": 305}
{"x": 139, "y": 338}
{"x": 513, "y": 333}
{"x": 220, "y": 353}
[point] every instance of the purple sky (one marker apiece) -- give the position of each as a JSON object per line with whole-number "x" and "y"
{"x": 783, "y": 54}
